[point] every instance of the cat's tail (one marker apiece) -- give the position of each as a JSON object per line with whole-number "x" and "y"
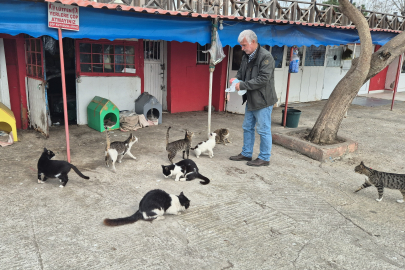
{"x": 108, "y": 140}
{"x": 122, "y": 221}
{"x": 206, "y": 180}
{"x": 79, "y": 173}
{"x": 167, "y": 136}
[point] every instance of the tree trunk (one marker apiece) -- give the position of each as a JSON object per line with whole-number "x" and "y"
{"x": 328, "y": 123}
{"x": 385, "y": 55}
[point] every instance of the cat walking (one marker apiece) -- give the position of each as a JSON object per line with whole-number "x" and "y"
{"x": 205, "y": 146}
{"x": 183, "y": 144}
{"x": 55, "y": 168}
{"x": 185, "y": 170}
{"x": 117, "y": 150}
{"x": 153, "y": 206}
{"x": 381, "y": 180}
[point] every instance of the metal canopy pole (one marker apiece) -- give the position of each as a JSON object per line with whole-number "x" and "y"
{"x": 212, "y": 64}
{"x": 62, "y": 72}
{"x": 396, "y": 80}
{"x": 288, "y": 91}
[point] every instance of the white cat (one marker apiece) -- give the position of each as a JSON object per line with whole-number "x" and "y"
{"x": 205, "y": 146}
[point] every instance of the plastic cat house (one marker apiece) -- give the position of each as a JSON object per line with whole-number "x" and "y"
{"x": 149, "y": 106}
{"x": 7, "y": 121}
{"x": 101, "y": 110}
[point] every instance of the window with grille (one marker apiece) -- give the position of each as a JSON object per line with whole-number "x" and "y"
{"x": 202, "y": 58}
{"x": 334, "y": 56}
{"x": 151, "y": 50}
{"x": 315, "y": 56}
{"x": 107, "y": 58}
{"x": 300, "y": 54}
{"x": 33, "y": 57}
{"x": 277, "y": 53}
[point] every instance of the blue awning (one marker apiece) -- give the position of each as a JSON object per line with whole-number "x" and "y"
{"x": 31, "y": 18}
{"x": 296, "y": 35}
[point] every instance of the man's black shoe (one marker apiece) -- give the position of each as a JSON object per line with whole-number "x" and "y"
{"x": 240, "y": 157}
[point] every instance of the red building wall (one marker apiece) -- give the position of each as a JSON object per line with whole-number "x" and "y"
{"x": 188, "y": 82}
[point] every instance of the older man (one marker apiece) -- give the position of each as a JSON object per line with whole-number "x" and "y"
{"x": 256, "y": 75}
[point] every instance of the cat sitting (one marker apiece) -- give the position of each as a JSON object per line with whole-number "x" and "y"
{"x": 153, "y": 206}
{"x": 222, "y": 136}
{"x": 183, "y": 144}
{"x": 381, "y": 180}
{"x": 117, "y": 150}
{"x": 205, "y": 146}
{"x": 185, "y": 170}
{"x": 55, "y": 168}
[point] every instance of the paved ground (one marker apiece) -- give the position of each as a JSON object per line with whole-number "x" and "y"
{"x": 296, "y": 214}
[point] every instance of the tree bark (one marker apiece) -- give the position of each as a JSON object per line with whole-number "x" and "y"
{"x": 328, "y": 123}
{"x": 385, "y": 55}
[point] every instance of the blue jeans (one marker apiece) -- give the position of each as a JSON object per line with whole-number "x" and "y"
{"x": 263, "y": 119}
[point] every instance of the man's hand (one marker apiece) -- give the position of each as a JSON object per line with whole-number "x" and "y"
{"x": 231, "y": 80}
{"x": 237, "y": 86}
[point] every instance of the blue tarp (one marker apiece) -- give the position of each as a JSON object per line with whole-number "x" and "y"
{"x": 31, "y": 18}
{"x": 296, "y": 35}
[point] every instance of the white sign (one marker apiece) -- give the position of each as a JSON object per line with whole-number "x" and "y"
{"x": 63, "y": 16}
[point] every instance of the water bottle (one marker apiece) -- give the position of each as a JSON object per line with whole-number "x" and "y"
{"x": 294, "y": 63}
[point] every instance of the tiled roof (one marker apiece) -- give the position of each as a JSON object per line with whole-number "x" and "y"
{"x": 84, "y": 3}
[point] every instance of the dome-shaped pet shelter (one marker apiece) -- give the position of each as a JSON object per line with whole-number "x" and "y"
{"x": 149, "y": 106}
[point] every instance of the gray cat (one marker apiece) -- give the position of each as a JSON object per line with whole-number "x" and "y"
{"x": 381, "y": 180}
{"x": 117, "y": 150}
{"x": 183, "y": 144}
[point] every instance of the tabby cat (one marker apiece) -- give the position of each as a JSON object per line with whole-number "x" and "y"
{"x": 381, "y": 180}
{"x": 117, "y": 150}
{"x": 55, "y": 168}
{"x": 185, "y": 170}
{"x": 153, "y": 206}
{"x": 183, "y": 144}
{"x": 222, "y": 136}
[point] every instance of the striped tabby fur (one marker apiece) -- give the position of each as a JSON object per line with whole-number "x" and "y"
{"x": 183, "y": 144}
{"x": 381, "y": 180}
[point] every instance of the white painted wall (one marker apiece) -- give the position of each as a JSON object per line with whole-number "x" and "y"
{"x": 391, "y": 74}
{"x": 4, "y": 90}
{"x": 122, "y": 91}
{"x": 401, "y": 84}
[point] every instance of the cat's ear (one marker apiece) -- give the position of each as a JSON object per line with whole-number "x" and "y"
{"x": 181, "y": 194}
{"x": 362, "y": 163}
{"x": 45, "y": 149}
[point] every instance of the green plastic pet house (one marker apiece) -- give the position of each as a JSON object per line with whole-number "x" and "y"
{"x": 100, "y": 110}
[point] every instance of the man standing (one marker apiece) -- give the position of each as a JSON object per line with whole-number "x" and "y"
{"x": 256, "y": 75}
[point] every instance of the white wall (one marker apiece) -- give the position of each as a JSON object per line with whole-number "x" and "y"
{"x": 4, "y": 91}
{"x": 122, "y": 91}
{"x": 391, "y": 74}
{"x": 401, "y": 84}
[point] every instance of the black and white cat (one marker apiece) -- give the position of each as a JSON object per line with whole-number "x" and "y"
{"x": 55, "y": 168}
{"x": 153, "y": 206}
{"x": 185, "y": 170}
{"x": 205, "y": 146}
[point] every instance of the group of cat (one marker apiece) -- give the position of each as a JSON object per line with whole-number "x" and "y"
{"x": 156, "y": 202}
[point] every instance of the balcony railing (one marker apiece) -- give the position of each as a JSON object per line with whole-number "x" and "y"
{"x": 291, "y": 10}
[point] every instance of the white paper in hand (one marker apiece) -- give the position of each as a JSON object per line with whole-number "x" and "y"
{"x": 232, "y": 88}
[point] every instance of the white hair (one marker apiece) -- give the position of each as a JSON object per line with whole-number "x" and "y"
{"x": 249, "y": 35}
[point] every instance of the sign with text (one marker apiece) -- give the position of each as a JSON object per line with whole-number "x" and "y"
{"x": 63, "y": 16}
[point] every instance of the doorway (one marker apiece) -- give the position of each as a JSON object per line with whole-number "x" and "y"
{"x": 53, "y": 79}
